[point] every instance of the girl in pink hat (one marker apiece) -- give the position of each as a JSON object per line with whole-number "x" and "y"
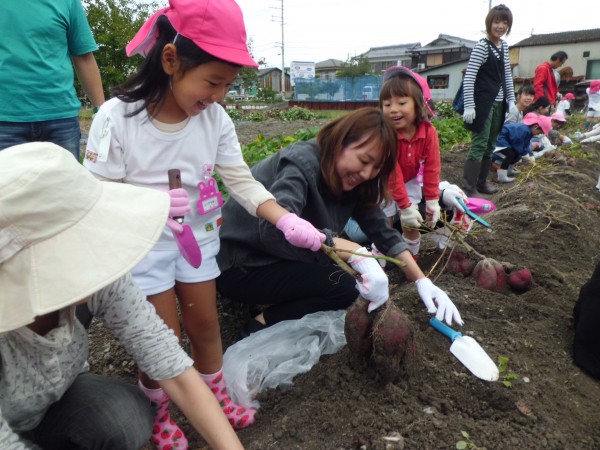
{"x": 593, "y": 114}
{"x": 564, "y": 106}
{"x": 513, "y": 143}
{"x": 167, "y": 116}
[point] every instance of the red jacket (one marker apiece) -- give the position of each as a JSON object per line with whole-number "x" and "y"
{"x": 544, "y": 82}
{"x": 424, "y": 146}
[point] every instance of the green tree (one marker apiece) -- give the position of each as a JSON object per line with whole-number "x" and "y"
{"x": 114, "y": 23}
{"x": 248, "y": 76}
{"x": 355, "y": 66}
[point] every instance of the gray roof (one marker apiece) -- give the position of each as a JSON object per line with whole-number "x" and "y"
{"x": 391, "y": 50}
{"x": 329, "y": 64}
{"x": 565, "y": 37}
{"x": 453, "y": 40}
{"x": 450, "y": 42}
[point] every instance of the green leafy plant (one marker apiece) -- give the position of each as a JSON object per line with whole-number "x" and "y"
{"x": 506, "y": 375}
{"x": 465, "y": 443}
{"x": 451, "y": 132}
{"x": 296, "y": 113}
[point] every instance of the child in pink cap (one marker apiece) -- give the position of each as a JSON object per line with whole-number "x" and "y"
{"x": 593, "y": 114}
{"x": 167, "y": 116}
{"x": 513, "y": 143}
{"x": 564, "y": 106}
{"x": 403, "y": 98}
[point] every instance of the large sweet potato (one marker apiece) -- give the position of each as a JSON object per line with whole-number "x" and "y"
{"x": 358, "y": 327}
{"x": 490, "y": 275}
{"x": 394, "y": 347}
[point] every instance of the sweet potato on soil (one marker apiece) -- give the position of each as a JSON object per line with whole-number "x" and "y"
{"x": 490, "y": 275}
{"x": 520, "y": 280}
{"x": 358, "y": 327}
{"x": 459, "y": 263}
{"x": 394, "y": 347}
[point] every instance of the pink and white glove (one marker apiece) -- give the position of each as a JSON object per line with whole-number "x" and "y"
{"x": 446, "y": 310}
{"x": 449, "y": 194}
{"x": 432, "y": 211}
{"x": 410, "y": 217}
{"x": 374, "y": 284}
{"x": 300, "y": 232}
{"x": 180, "y": 206}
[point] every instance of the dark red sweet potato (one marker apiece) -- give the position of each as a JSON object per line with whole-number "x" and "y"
{"x": 459, "y": 263}
{"x": 490, "y": 275}
{"x": 394, "y": 345}
{"x": 520, "y": 280}
{"x": 358, "y": 327}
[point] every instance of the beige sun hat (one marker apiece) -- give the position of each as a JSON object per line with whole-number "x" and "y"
{"x": 63, "y": 234}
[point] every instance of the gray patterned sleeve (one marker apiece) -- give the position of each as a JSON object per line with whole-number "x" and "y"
{"x": 124, "y": 309}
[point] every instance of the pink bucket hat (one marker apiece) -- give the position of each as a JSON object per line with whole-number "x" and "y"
{"x": 544, "y": 122}
{"x": 594, "y": 86}
{"x": 559, "y": 117}
{"x": 569, "y": 96}
{"x": 216, "y": 26}
{"x": 401, "y": 70}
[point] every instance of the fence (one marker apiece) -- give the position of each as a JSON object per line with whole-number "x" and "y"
{"x": 344, "y": 89}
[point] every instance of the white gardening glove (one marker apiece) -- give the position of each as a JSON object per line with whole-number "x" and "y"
{"x": 512, "y": 107}
{"x": 446, "y": 310}
{"x": 567, "y": 140}
{"x": 410, "y": 217}
{"x": 469, "y": 115}
{"x": 432, "y": 211}
{"x": 374, "y": 284}
{"x": 449, "y": 193}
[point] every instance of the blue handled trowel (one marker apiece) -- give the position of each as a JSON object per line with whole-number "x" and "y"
{"x": 468, "y": 352}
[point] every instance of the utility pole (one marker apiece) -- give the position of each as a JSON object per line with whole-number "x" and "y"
{"x": 282, "y": 46}
{"x": 283, "y": 55}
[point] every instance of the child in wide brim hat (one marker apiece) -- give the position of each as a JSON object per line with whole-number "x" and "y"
{"x": 68, "y": 239}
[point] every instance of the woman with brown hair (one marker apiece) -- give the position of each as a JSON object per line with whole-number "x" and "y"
{"x": 344, "y": 172}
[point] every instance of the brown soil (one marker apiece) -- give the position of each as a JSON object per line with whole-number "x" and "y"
{"x": 546, "y": 221}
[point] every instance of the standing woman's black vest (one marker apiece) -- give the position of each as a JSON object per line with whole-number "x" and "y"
{"x": 489, "y": 80}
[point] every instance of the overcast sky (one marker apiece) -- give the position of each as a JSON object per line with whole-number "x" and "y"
{"x": 316, "y": 30}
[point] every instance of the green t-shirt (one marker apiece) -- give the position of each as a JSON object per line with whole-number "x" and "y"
{"x": 36, "y": 73}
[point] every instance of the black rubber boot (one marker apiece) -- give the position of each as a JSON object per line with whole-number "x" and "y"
{"x": 482, "y": 183}
{"x": 471, "y": 172}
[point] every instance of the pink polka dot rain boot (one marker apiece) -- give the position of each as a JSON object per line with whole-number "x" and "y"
{"x": 166, "y": 435}
{"x": 238, "y": 416}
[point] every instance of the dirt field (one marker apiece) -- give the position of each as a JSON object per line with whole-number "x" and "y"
{"x": 546, "y": 221}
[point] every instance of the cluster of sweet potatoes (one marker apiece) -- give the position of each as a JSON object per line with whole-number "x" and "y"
{"x": 491, "y": 274}
{"x": 384, "y": 337}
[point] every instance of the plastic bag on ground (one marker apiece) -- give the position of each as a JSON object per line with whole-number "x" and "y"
{"x": 272, "y": 357}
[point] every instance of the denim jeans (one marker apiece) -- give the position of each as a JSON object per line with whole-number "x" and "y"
{"x": 96, "y": 412}
{"x": 63, "y": 132}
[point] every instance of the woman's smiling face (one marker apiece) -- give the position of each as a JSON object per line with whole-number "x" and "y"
{"x": 359, "y": 162}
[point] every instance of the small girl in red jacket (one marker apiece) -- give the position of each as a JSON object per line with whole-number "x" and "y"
{"x": 404, "y": 98}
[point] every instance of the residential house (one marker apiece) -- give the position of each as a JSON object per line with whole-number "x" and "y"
{"x": 583, "y": 48}
{"x": 442, "y": 63}
{"x": 271, "y": 78}
{"x": 443, "y": 50}
{"x": 392, "y": 55}
{"x": 326, "y": 70}
{"x": 445, "y": 79}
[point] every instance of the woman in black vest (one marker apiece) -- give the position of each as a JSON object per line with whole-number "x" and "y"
{"x": 488, "y": 91}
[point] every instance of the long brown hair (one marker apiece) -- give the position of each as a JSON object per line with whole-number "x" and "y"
{"x": 363, "y": 124}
